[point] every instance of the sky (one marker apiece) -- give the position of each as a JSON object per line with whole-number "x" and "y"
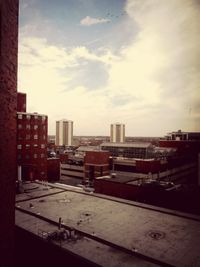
{"x": 98, "y": 62}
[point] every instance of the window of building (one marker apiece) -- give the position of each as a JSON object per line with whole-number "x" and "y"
{"x": 35, "y": 127}
{"x": 19, "y": 126}
{"x": 28, "y": 117}
{"x": 19, "y": 137}
{"x": 35, "y": 145}
{"x": 43, "y": 118}
{"x": 44, "y": 127}
{"x": 42, "y": 145}
{"x": 19, "y": 116}
{"x": 19, "y": 146}
{"x": 35, "y": 136}
{"x": 35, "y": 156}
{"x": 19, "y": 156}
{"x": 42, "y": 155}
{"x": 28, "y": 137}
{"x": 28, "y": 146}
{"x": 44, "y": 137}
{"x": 27, "y": 156}
{"x": 28, "y": 126}
{"x": 36, "y": 117}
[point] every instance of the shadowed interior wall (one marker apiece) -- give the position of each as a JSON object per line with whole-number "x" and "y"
{"x": 8, "y": 88}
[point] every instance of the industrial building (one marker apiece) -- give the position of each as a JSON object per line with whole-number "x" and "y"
{"x": 129, "y": 150}
{"x": 117, "y": 133}
{"x": 64, "y": 133}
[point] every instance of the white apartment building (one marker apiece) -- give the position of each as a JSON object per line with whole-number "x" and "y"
{"x": 64, "y": 133}
{"x": 117, "y": 133}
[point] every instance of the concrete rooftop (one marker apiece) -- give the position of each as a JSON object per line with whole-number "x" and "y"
{"x": 114, "y": 232}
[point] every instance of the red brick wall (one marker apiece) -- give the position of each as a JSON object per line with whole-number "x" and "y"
{"x": 115, "y": 189}
{"x": 97, "y": 157}
{"x": 53, "y": 169}
{"x": 21, "y": 102}
{"x": 32, "y": 153}
{"x": 148, "y": 166}
{"x": 8, "y": 103}
{"x": 182, "y": 146}
{"x": 96, "y": 164}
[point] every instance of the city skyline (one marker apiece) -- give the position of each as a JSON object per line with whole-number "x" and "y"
{"x": 98, "y": 62}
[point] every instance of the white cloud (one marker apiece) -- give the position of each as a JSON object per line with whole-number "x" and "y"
{"x": 88, "y": 21}
{"x": 45, "y": 74}
{"x": 163, "y": 60}
{"x": 153, "y": 82}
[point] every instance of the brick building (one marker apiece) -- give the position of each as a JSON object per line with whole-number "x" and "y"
{"x": 31, "y": 143}
{"x": 180, "y": 136}
{"x": 84, "y": 168}
{"x": 153, "y": 192}
{"x": 97, "y": 163}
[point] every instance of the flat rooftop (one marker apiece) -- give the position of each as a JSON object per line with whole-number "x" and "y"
{"x": 133, "y": 144}
{"x": 112, "y": 231}
{"x": 119, "y": 178}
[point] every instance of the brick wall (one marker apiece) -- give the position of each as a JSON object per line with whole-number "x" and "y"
{"x": 32, "y": 145}
{"x": 8, "y": 95}
{"x": 21, "y": 102}
{"x": 97, "y": 157}
{"x": 53, "y": 169}
{"x": 97, "y": 163}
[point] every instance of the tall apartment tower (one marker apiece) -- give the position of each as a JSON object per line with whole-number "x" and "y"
{"x": 117, "y": 133}
{"x": 64, "y": 133}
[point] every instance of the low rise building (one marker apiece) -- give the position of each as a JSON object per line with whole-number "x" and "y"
{"x": 96, "y": 164}
{"x": 72, "y": 170}
{"x": 143, "y": 189}
{"x": 129, "y": 150}
{"x": 84, "y": 168}
{"x": 180, "y": 135}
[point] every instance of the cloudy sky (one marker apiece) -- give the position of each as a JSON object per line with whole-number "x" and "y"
{"x": 98, "y": 62}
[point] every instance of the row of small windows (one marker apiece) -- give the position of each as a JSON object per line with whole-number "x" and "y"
{"x": 35, "y": 156}
{"x": 28, "y": 146}
{"x": 28, "y": 137}
{"x": 20, "y": 116}
{"x": 28, "y": 126}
